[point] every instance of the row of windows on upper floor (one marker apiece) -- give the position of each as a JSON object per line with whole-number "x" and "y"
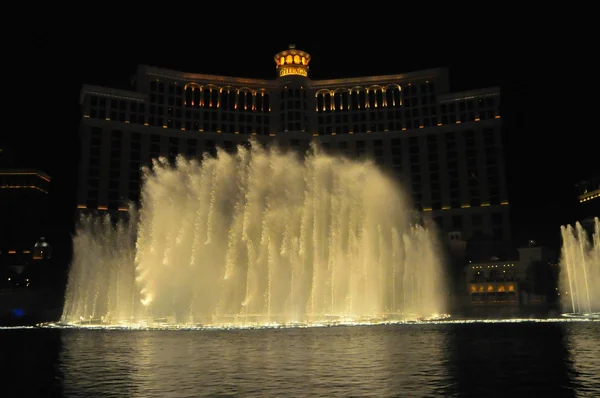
{"x": 464, "y": 112}
{"x": 229, "y": 123}
{"x": 391, "y": 98}
{"x": 177, "y": 90}
{"x": 382, "y": 115}
{"x": 432, "y": 143}
{"x": 480, "y": 109}
{"x": 198, "y": 95}
{"x": 421, "y": 202}
{"x": 456, "y": 172}
{"x": 458, "y": 187}
{"x": 475, "y": 147}
{"x": 223, "y": 123}
{"x": 414, "y": 153}
{"x": 246, "y": 103}
{"x": 399, "y": 124}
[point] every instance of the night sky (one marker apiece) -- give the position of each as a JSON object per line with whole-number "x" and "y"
{"x": 543, "y": 161}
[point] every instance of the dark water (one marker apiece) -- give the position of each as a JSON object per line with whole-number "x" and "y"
{"x": 522, "y": 359}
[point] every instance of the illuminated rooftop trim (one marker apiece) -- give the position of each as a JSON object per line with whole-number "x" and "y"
{"x": 12, "y": 172}
{"x": 23, "y": 187}
{"x": 494, "y": 264}
{"x": 589, "y": 196}
{"x": 471, "y": 94}
{"x": 325, "y": 83}
{"x": 111, "y": 93}
{"x": 202, "y": 78}
{"x": 380, "y": 79}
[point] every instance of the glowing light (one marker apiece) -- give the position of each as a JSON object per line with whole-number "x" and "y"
{"x": 299, "y": 71}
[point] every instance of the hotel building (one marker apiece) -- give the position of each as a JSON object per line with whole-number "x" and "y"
{"x": 445, "y": 147}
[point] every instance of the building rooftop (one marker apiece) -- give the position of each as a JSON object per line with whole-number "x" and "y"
{"x": 15, "y": 172}
{"x": 589, "y": 189}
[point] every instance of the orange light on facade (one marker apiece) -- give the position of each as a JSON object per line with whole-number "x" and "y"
{"x": 295, "y": 62}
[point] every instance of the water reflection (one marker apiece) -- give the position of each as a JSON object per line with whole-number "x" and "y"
{"x": 582, "y": 341}
{"x": 526, "y": 359}
{"x": 29, "y": 363}
{"x": 361, "y": 361}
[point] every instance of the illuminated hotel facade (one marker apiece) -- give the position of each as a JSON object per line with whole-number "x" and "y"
{"x": 589, "y": 197}
{"x": 445, "y": 147}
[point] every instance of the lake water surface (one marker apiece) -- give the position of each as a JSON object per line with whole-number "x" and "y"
{"x": 445, "y": 360}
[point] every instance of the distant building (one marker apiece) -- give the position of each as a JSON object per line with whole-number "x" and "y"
{"x": 495, "y": 282}
{"x": 446, "y": 147}
{"x": 589, "y": 198}
{"x": 28, "y": 285}
{"x": 25, "y": 267}
{"x": 527, "y": 282}
{"x": 23, "y": 207}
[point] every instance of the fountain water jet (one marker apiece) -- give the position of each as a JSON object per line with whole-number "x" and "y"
{"x": 580, "y": 278}
{"x": 259, "y": 237}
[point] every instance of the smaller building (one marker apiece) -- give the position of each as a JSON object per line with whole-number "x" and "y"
{"x": 510, "y": 287}
{"x": 25, "y": 267}
{"x": 29, "y": 292}
{"x": 589, "y": 198}
{"x": 495, "y": 283}
{"x": 24, "y": 207}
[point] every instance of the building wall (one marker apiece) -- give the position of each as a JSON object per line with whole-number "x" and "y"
{"x": 495, "y": 283}
{"x": 510, "y": 283}
{"x": 445, "y": 148}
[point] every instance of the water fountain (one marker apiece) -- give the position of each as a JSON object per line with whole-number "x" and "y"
{"x": 580, "y": 276}
{"x": 257, "y": 238}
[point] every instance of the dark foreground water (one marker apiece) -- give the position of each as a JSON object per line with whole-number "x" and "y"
{"x": 512, "y": 359}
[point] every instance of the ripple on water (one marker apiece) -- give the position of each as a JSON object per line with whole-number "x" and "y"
{"x": 400, "y": 360}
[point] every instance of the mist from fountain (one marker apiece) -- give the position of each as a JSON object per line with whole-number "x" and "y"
{"x": 580, "y": 264}
{"x": 259, "y": 237}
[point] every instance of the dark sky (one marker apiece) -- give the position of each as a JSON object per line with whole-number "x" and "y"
{"x": 543, "y": 160}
